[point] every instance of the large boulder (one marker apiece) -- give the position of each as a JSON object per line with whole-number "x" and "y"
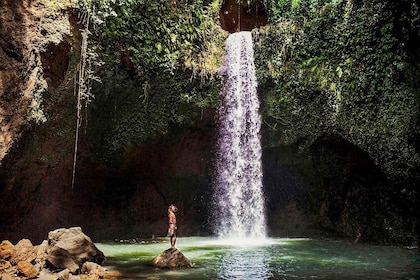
{"x": 59, "y": 258}
{"x": 78, "y": 244}
{"x": 171, "y": 259}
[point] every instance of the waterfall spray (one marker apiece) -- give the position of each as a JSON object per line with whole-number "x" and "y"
{"x": 238, "y": 195}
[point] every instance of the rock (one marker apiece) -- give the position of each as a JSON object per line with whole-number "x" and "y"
{"x": 63, "y": 275}
{"x": 95, "y": 271}
{"x": 6, "y": 249}
{"x": 8, "y": 277}
{"x": 46, "y": 274}
{"x": 87, "y": 267}
{"x": 27, "y": 269}
{"x": 65, "y": 253}
{"x": 41, "y": 253}
{"x": 172, "y": 259}
{"x": 77, "y": 244}
{"x": 23, "y": 251}
{"x": 4, "y": 265}
{"x": 7, "y": 268}
{"x": 94, "y": 275}
{"x": 58, "y": 258}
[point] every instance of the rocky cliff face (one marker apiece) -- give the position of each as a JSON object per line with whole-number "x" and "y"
{"x": 32, "y": 57}
{"x": 38, "y": 38}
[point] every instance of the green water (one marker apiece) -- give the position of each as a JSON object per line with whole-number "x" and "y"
{"x": 279, "y": 258}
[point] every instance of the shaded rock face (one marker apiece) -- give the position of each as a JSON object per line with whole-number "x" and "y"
{"x": 335, "y": 189}
{"x": 55, "y": 61}
{"x": 171, "y": 259}
{"x": 59, "y": 259}
{"x": 128, "y": 201}
{"x": 27, "y": 28}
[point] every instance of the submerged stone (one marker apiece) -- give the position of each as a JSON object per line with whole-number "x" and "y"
{"x": 171, "y": 259}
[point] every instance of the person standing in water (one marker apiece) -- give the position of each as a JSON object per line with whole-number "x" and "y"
{"x": 172, "y": 224}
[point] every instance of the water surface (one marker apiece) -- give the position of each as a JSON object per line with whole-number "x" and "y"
{"x": 278, "y": 258}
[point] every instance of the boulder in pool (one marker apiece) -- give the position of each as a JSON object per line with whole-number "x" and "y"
{"x": 171, "y": 259}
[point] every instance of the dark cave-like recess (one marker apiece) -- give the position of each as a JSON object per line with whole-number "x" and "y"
{"x": 236, "y": 17}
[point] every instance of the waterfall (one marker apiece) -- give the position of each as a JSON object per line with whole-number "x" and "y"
{"x": 238, "y": 195}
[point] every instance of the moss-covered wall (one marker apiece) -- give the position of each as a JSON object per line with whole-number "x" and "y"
{"x": 337, "y": 77}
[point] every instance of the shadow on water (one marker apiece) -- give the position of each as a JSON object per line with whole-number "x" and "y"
{"x": 280, "y": 259}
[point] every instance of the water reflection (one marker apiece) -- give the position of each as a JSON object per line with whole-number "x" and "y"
{"x": 245, "y": 263}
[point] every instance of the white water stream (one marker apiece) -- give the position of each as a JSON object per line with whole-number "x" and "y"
{"x": 239, "y": 199}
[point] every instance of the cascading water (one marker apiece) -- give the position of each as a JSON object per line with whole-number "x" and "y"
{"x": 239, "y": 200}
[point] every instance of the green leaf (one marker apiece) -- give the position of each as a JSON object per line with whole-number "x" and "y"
{"x": 158, "y": 47}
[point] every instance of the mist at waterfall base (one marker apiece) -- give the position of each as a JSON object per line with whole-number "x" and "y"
{"x": 238, "y": 200}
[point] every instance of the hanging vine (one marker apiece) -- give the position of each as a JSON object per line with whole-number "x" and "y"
{"x": 85, "y": 73}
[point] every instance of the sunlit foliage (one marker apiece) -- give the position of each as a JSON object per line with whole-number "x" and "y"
{"x": 161, "y": 61}
{"x": 342, "y": 68}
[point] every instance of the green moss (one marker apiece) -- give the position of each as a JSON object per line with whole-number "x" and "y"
{"x": 158, "y": 72}
{"x": 342, "y": 71}
{"x": 164, "y": 35}
{"x": 345, "y": 69}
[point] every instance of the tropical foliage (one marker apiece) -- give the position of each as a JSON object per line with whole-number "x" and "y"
{"x": 342, "y": 69}
{"x": 346, "y": 71}
{"x": 160, "y": 64}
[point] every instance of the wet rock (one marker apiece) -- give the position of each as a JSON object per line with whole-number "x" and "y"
{"x": 172, "y": 259}
{"x": 27, "y": 269}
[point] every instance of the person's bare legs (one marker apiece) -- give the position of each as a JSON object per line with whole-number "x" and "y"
{"x": 173, "y": 240}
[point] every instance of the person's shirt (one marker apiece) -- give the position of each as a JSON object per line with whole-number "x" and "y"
{"x": 172, "y": 219}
